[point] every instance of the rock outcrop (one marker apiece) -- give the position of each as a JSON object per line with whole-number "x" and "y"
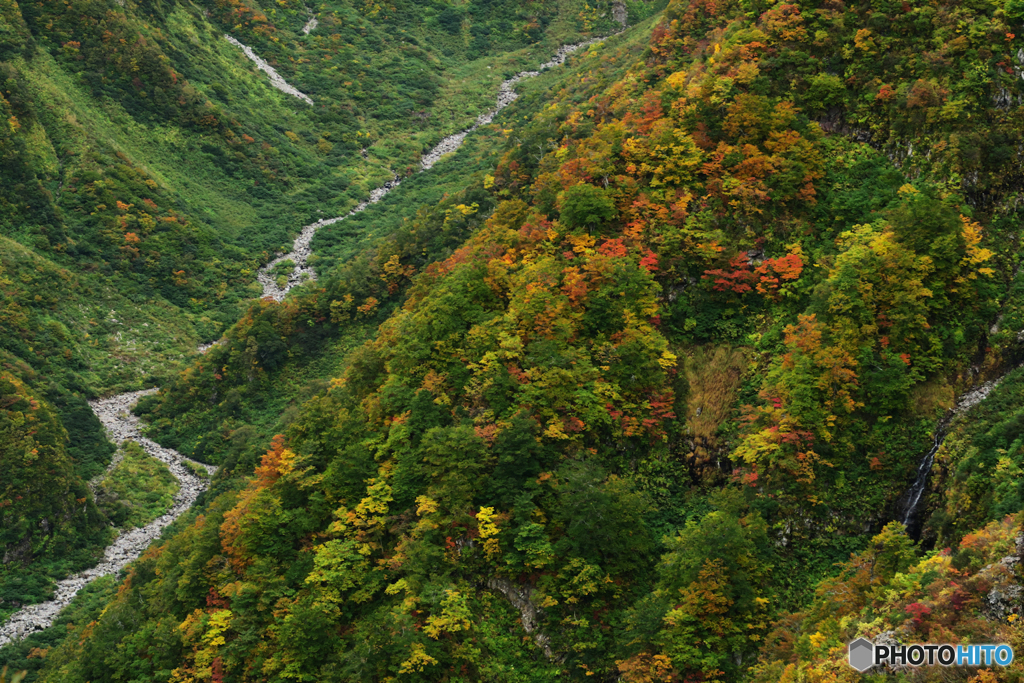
{"x": 529, "y": 614}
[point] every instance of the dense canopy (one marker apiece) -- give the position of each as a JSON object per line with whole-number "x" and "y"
{"x": 694, "y": 365}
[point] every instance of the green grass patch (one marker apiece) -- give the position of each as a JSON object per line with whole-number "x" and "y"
{"x": 139, "y": 489}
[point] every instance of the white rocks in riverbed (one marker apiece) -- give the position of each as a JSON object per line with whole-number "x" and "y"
{"x": 203, "y": 348}
{"x": 310, "y": 25}
{"x": 121, "y": 425}
{"x": 446, "y": 146}
{"x": 301, "y": 249}
{"x": 975, "y": 396}
{"x": 275, "y": 78}
{"x": 506, "y": 96}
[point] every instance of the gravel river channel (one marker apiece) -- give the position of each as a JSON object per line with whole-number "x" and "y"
{"x": 115, "y": 412}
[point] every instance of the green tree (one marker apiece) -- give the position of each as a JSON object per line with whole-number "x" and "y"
{"x": 714, "y": 577}
{"x": 586, "y": 206}
{"x": 603, "y": 520}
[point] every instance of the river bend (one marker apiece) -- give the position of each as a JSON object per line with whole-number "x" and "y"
{"x": 115, "y": 414}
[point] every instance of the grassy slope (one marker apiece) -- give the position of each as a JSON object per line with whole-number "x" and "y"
{"x": 203, "y": 176}
{"x": 271, "y": 406}
{"x": 139, "y": 489}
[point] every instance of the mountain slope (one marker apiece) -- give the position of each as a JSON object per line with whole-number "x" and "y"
{"x": 45, "y": 510}
{"x": 673, "y": 349}
{"x": 149, "y": 168}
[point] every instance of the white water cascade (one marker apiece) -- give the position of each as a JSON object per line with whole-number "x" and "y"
{"x": 916, "y": 491}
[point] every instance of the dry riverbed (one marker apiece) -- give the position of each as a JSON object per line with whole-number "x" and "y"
{"x": 121, "y": 425}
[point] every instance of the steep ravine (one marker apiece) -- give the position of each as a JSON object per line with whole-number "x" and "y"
{"x": 910, "y": 507}
{"x": 114, "y": 412}
{"x": 121, "y": 425}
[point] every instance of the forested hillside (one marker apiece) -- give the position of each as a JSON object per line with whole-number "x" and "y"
{"x": 694, "y": 365}
{"x": 149, "y": 168}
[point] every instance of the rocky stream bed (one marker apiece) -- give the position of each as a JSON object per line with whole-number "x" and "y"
{"x": 301, "y": 248}
{"x": 115, "y": 412}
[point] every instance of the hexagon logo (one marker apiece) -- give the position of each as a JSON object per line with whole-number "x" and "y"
{"x": 862, "y": 654}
